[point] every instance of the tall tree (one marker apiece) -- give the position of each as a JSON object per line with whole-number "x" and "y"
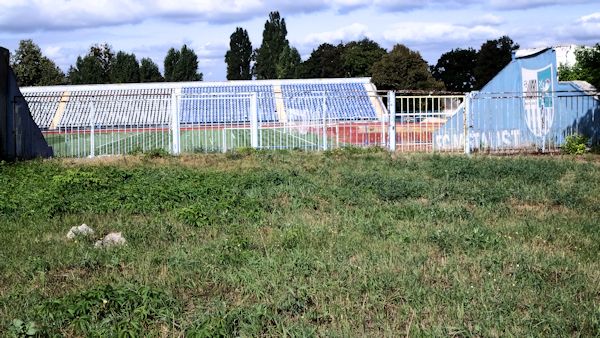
{"x": 95, "y": 67}
{"x": 149, "y": 71}
{"x": 404, "y": 69}
{"x": 182, "y": 65}
{"x": 125, "y": 69}
{"x": 173, "y": 56}
{"x": 239, "y": 56}
{"x": 32, "y": 68}
{"x": 288, "y": 64}
{"x": 324, "y": 62}
{"x": 358, "y": 57}
{"x": 87, "y": 70}
{"x": 274, "y": 42}
{"x": 456, "y": 69}
{"x": 586, "y": 68}
{"x": 493, "y": 56}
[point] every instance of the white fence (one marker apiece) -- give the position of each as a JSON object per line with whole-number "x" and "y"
{"x": 87, "y": 126}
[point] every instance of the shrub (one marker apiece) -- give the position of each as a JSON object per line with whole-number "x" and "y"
{"x": 575, "y": 144}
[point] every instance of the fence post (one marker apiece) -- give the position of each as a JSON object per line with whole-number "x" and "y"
{"x": 175, "y": 126}
{"x": 325, "y": 122}
{"x": 92, "y": 129}
{"x": 254, "y": 121}
{"x": 392, "y": 120}
{"x": 466, "y": 124}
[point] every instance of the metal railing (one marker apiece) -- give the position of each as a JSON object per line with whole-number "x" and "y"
{"x": 87, "y": 126}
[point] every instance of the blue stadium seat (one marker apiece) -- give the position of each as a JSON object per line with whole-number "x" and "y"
{"x": 344, "y": 101}
{"x": 198, "y": 106}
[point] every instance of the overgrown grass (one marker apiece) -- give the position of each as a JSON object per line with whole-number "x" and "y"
{"x": 342, "y": 243}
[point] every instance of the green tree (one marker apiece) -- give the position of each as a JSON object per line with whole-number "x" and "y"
{"x": 492, "y": 57}
{"x": 569, "y": 73}
{"x": 125, "y": 69}
{"x": 586, "y": 68}
{"x": 32, "y": 68}
{"x": 456, "y": 69}
{"x": 87, "y": 70}
{"x": 173, "y": 56}
{"x": 358, "y": 57}
{"x": 149, "y": 71}
{"x": 239, "y": 56}
{"x": 324, "y": 62}
{"x": 274, "y": 42}
{"x": 404, "y": 69}
{"x": 182, "y": 65}
{"x": 95, "y": 67}
{"x": 288, "y": 64}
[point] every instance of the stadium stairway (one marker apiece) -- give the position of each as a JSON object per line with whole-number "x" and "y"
{"x": 279, "y": 103}
{"x": 380, "y": 108}
{"x": 60, "y": 110}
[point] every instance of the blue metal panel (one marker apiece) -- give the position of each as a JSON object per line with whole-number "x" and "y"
{"x": 524, "y": 106}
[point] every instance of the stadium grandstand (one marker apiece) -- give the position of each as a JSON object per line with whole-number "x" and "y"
{"x": 201, "y": 102}
{"x": 84, "y": 120}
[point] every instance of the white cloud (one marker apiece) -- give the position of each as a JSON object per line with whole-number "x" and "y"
{"x": 354, "y": 31}
{"x": 434, "y": 32}
{"x": 32, "y": 15}
{"x": 65, "y": 29}
{"x": 488, "y": 20}
{"x": 47, "y": 14}
{"x": 528, "y": 4}
{"x": 593, "y": 18}
{"x": 212, "y": 51}
{"x": 586, "y": 29}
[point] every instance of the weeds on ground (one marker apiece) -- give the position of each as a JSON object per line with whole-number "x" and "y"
{"x": 342, "y": 243}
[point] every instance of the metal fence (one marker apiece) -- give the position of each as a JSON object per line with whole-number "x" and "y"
{"x": 517, "y": 122}
{"x": 418, "y": 117}
{"x": 92, "y": 125}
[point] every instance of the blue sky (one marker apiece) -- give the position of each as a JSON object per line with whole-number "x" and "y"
{"x": 65, "y": 29}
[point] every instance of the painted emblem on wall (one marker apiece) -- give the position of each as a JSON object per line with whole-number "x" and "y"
{"x": 538, "y": 100}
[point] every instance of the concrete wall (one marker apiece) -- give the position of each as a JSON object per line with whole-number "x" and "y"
{"x": 20, "y": 137}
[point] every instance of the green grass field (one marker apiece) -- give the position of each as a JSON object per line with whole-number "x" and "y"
{"x": 341, "y": 243}
{"x": 78, "y": 144}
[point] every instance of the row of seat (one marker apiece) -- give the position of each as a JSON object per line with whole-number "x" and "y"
{"x": 42, "y": 107}
{"x": 225, "y": 103}
{"x": 347, "y": 101}
{"x": 229, "y": 103}
{"x": 117, "y": 108}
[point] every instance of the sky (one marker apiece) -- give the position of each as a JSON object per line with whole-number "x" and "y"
{"x": 65, "y": 29}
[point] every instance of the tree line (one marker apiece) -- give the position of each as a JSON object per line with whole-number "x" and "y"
{"x": 101, "y": 66}
{"x": 458, "y": 70}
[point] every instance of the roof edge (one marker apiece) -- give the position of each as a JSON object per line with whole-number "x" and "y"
{"x": 194, "y": 84}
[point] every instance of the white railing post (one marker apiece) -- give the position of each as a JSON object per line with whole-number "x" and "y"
{"x": 466, "y": 122}
{"x": 254, "y": 121}
{"x": 324, "y": 109}
{"x": 392, "y": 120}
{"x": 175, "y": 126}
{"x": 92, "y": 129}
